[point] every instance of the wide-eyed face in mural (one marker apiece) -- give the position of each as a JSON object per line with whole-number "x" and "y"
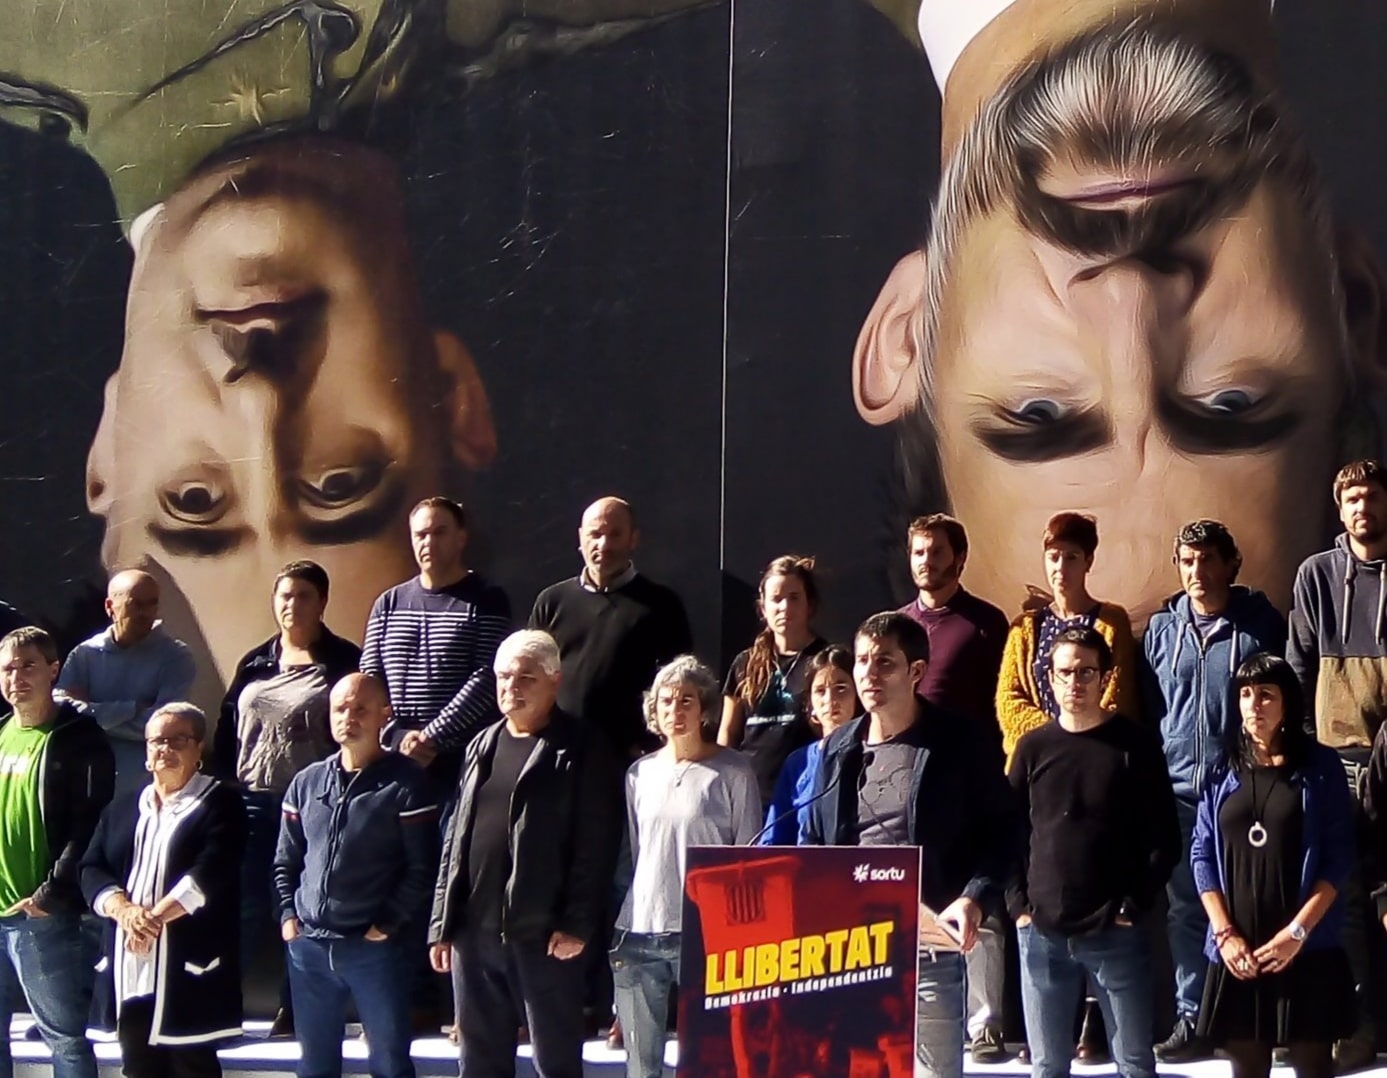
{"x": 280, "y": 395}
{"x": 1133, "y": 303}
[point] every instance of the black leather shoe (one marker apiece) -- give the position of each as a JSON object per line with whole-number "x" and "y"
{"x": 1183, "y": 1045}
{"x": 283, "y": 1025}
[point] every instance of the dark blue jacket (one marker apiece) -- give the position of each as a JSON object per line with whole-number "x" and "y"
{"x": 357, "y": 854}
{"x": 962, "y": 812}
{"x": 1187, "y": 681}
{"x": 1327, "y": 840}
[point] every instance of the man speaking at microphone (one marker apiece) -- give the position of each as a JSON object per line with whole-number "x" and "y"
{"x": 908, "y": 773}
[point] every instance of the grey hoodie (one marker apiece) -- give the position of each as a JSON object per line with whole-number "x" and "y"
{"x": 1338, "y": 644}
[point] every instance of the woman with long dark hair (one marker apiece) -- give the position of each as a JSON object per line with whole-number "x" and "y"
{"x": 832, "y": 703}
{"x": 765, "y": 707}
{"x": 1272, "y": 847}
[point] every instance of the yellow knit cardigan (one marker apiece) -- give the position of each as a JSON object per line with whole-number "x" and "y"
{"x": 1018, "y": 699}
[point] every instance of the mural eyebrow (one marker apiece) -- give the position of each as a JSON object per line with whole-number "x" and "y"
{"x": 1195, "y": 430}
{"x": 1069, "y": 436}
{"x": 199, "y": 542}
{"x": 365, "y": 523}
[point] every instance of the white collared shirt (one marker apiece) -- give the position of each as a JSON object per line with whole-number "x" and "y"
{"x": 623, "y": 578}
{"x": 137, "y": 974}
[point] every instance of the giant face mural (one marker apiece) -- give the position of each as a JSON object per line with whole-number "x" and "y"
{"x": 280, "y": 395}
{"x": 534, "y": 253}
{"x": 1133, "y": 302}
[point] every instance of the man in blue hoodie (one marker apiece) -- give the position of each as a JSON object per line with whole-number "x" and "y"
{"x": 1193, "y": 646}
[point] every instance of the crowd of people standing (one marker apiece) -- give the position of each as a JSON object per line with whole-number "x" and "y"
{"x": 512, "y": 808}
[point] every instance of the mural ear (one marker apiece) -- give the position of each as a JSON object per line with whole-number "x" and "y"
{"x": 101, "y": 457}
{"x": 1364, "y": 285}
{"x": 885, "y": 362}
{"x": 473, "y": 435}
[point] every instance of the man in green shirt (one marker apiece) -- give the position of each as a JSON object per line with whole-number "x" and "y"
{"x": 56, "y": 775}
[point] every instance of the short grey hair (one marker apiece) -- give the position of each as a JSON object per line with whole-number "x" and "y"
{"x": 688, "y": 670}
{"x": 533, "y": 644}
{"x": 189, "y": 713}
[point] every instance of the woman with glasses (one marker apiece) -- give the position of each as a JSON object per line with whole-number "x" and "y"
{"x": 164, "y": 867}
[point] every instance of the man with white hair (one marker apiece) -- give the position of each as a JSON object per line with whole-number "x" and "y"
{"x": 526, "y": 871}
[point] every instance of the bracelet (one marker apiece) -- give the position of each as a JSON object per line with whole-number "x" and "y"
{"x": 1223, "y": 934}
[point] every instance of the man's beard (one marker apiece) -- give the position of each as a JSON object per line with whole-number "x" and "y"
{"x": 941, "y": 579}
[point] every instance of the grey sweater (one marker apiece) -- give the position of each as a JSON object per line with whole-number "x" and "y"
{"x": 670, "y": 807}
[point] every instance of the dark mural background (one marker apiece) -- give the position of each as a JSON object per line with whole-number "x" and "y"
{"x": 657, "y": 228}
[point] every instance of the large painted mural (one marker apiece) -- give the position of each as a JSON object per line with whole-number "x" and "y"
{"x": 783, "y": 274}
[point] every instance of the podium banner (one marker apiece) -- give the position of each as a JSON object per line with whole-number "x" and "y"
{"x": 798, "y": 961}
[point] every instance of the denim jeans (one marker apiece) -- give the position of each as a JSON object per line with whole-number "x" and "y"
{"x": 986, "y": 965}
{"x": 940, "y": 996}
{"x": 645, "y": 970}
{"x": 323, "y": 975}
{"x": 1186, "y": 923}
{"x": 1053, "y": 968}
{"x": 45, "y": 963}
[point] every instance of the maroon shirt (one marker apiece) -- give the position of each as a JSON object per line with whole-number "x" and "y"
{"x": 966, "y": 638}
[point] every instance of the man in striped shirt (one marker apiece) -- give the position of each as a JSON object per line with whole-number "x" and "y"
{"x": 433, "y": 639}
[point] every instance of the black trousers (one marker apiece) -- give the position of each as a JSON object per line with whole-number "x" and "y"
{"x": 140, "y": 1059}
{"x": 502, "y": 986}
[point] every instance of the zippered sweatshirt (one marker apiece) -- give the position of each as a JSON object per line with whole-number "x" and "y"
{"x": 77, "y": 776}
{"x": 1338, "y": 644}
{"x": 1186, "y": 680}
{"x": 357, "y": 849}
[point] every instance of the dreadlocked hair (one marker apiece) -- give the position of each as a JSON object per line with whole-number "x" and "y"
{"x": 760, "y": 660}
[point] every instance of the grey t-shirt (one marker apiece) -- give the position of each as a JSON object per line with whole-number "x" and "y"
{"x": 883, "y": 795}
{"x": 282, "y": 727}
{"x": 671, "y": 806}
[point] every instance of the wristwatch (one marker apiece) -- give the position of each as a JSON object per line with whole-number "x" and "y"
{"x": 1298, "y": 932}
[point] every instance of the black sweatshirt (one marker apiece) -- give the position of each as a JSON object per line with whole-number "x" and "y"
{"x": 611, "y": 644}
{"x": 1101, "y": 831}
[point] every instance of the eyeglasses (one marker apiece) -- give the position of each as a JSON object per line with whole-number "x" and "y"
{"x": 172, "y": 741}
{"x": 1082, "y": 674}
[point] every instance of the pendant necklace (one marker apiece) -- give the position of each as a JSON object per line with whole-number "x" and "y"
{"x": 1257, "y": 834}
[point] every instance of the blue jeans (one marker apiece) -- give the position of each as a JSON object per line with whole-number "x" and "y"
{"x": 1186, "y": 923}
{"x": 1053, "y": 968}
{"x": 45, "y": 962}
{"x": 941, "y": 998}
{"x": 645, "y": 969}
{"x": 323, "y": 975}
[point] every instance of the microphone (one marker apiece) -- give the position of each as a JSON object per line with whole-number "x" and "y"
{"x": 794, "y": 809}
